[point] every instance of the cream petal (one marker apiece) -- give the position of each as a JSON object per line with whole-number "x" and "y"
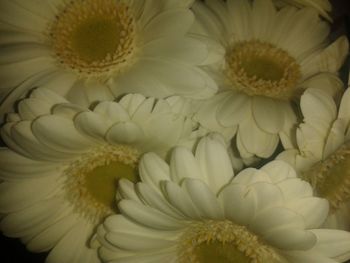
{"x": 18, "y": 195}
{"x": 344, "y": 109}
{"x": 125, "y": 132}
{"x": 183, "y": 165}
{"x": 15, "y": 167}
{"x": 318, "y": 105}
{"x": 72, "y": 247}
{"x": 263, "y": 19}
{"x": 180, "y": 199}
{"x": 213, "y": 160}
{"x": 334, "y": 244}
{"x": 154, "y": 199}
{"x": 249, "y": 176}
{"x": 167, "y": 23}
{"x": 267, "y": 195}
{"x": 31, "y": 108}
{"x": 314, "y": 210}
{"x": 20, "y": 17}
{"x": 91, "y": 124}
{"x": 240, "y": 15}
{"x": 22, "y": 135}
{"x": 34, "y": 219}
{"x": 306, "y": 257}
{"x": 255, "y": 140}
{"x": 153, "y": 170}
{"x": 126, "y": 190}
{"x": 49, "y": 237}
{"x": 279, "y": 170}
{"x": 148, "y": 216}
{"x": 23, "y": 51}
{"x": 234, "y": 109}
{"x": 310, "y": 141}
{"x": 238, "y": 203}
{"x": 60, "y": 133}
{"x": 112, "y": 111}
{"x": 336, "y": 138}
{"x": 328, "y": 60}
{"x": 294, "y": 188}
{"x": 13, "y": 74}
{"x": 268, "y": 114}
{"x": 203, "y": 198}
{"x": 188, "y": 50}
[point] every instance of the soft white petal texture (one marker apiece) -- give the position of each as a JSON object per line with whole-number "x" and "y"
{"x": 335, "y": 243}
{"x": 161, "y": 40}
{"x": 52, "y": 145}
{"x": 263, "y": 120}
{"x": 176, "y": 212}
{"x": 212, "y": 158}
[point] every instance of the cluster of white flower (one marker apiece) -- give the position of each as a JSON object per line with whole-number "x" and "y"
{"x": 168, "y": 131}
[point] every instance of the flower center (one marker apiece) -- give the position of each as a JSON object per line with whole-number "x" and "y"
{"x": 92, "y": 180}
{"x": 331, "y": 177}
{"x": 94, "y": 37}
{"x": 224, "y": 242}
{"x": 261, "y": 69}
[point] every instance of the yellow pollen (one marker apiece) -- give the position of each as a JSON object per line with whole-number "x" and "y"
{"x": 92, "y": 180}
{"x": 224, "y": 242}
{"x": 331, "y": 177}
{"x": 261, "y": 69}
{"x": 94, "y": 37}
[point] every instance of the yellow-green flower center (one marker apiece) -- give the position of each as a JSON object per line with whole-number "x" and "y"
{"x": 94, "y": 37}
{"x": 102, "y": 181}
{"x": 224, "y": 242}
{"x": 92, "y": 180}
{"x": 331, "y": 177}
{"x": 261, "y": 69}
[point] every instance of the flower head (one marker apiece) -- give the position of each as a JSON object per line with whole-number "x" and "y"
{"x": 193, "y": 210}
{"x": 63, "y": 165}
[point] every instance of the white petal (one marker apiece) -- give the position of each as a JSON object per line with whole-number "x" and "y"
{"x": 214, "y": 162}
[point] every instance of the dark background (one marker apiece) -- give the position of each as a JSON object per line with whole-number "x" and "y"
{"x": 12, "y": 251}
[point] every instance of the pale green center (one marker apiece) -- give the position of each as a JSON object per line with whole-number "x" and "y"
{"x": 262, "y": 69}
{"x": 220, "y": 253}
{"x": 102, "y": 181}
{"x": 92, "y": 180}
{"x": 95, "y": 38}
{"x": 331, "y": 177}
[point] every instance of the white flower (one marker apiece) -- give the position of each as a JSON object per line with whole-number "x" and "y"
{"x": 120, "y": 46}
{"x": 323, "y": 7}
{"x": 268, "y": 56}
{"x": 194, "y": 211}
{"x": 63, "y": 162}
{"x": 322, "y": 155}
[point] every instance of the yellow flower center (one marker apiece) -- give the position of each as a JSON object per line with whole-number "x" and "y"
{"x": 94, "y": 37}
{"x": 92, "y": 180}
{"x": 331, "y": 177}
{"x": 261, "y": 69}
{"x": 224, "y": 242}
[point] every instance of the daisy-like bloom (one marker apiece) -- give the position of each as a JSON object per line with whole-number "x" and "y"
{"x": 102, "y": 47}
{"x": 63, "y": 163}
{"x": 269, "y": 55}
{"x": 322, "y": 156}
{"x": 323, "y": 7}
{"x": 194, "y": 211}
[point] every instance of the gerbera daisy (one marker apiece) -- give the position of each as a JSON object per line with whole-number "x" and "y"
{"x": 124, "y": 46}
{"x": 63, "y": 162}
{"x": 194, "y": 211}
{"x": 322, "y": 156}
{"x": 269, "y": 55}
